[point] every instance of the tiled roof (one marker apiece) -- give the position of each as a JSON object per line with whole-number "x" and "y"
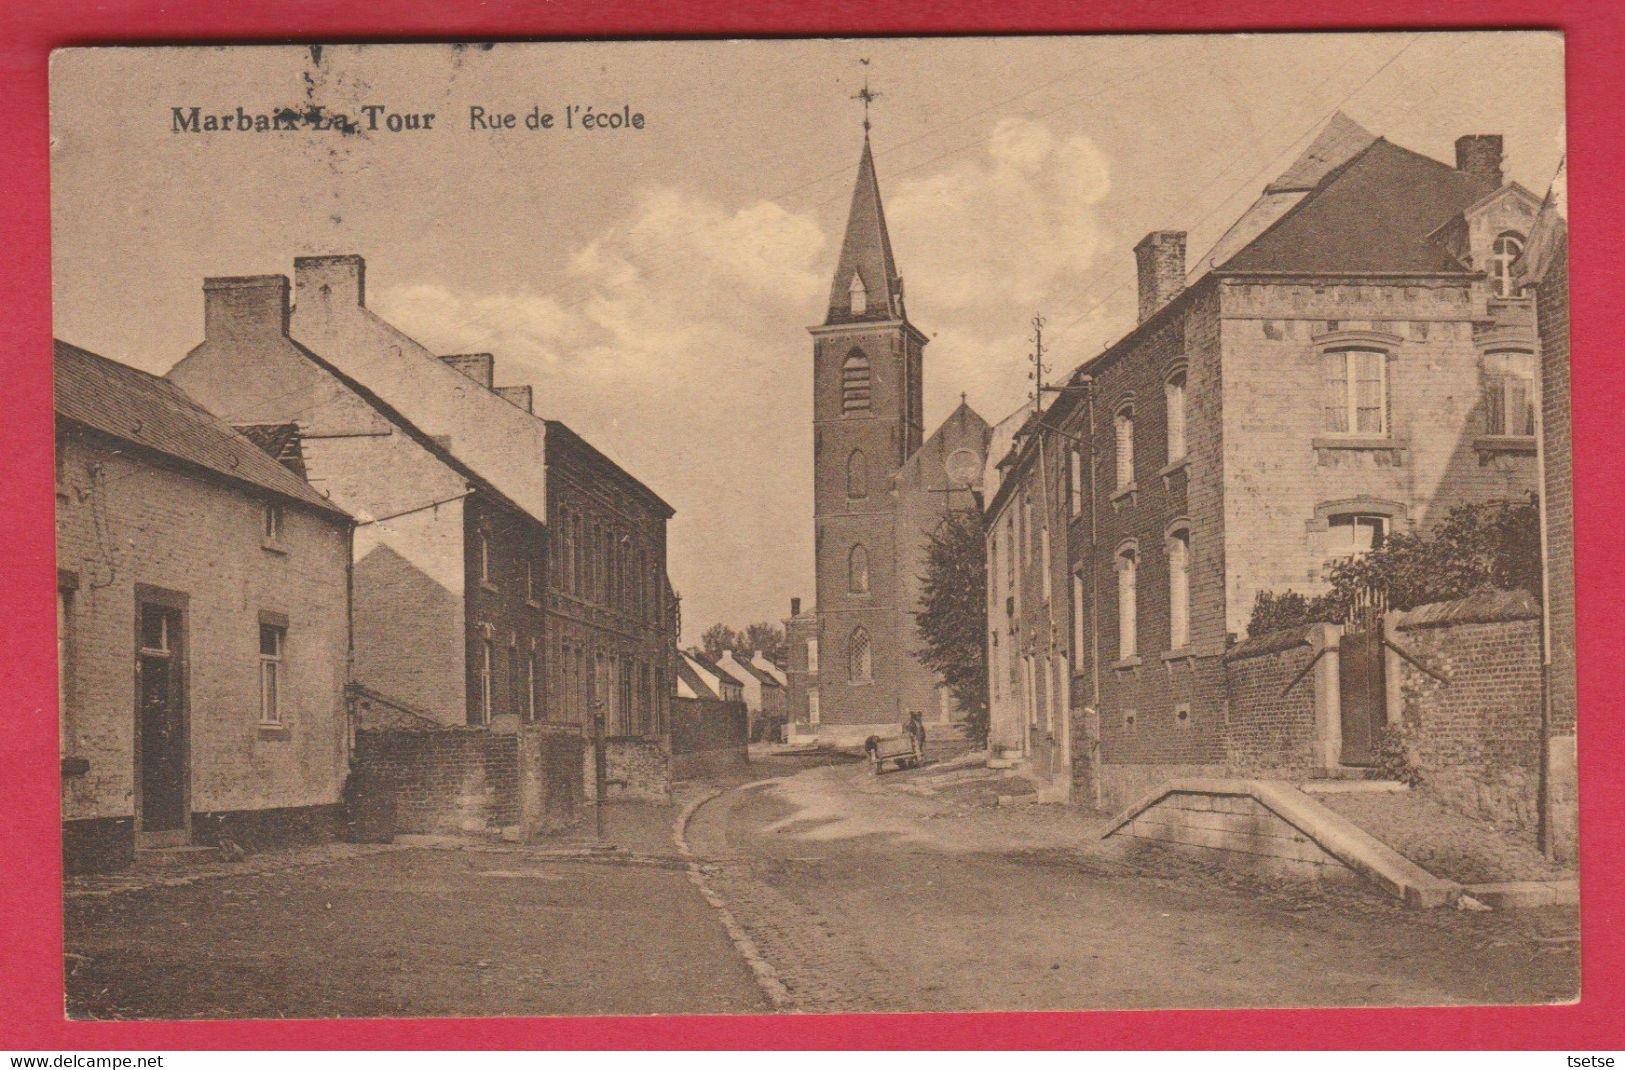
{"x": 281, "y": 441}
{"x": 147, "y": 411}
{"x": 716, "y": 670}
{"x": 696, "y": 684}
{"x": 760, "y": 674}
{"x": 1374, "y": 213}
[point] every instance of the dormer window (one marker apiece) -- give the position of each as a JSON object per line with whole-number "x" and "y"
{"x": 1507, "y": 248}
{"x": 858, "y": 295}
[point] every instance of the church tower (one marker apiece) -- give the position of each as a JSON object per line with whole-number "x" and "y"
{"x": 867, "y": 421}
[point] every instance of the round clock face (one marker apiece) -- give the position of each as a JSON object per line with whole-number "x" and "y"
{"x": 963, "y": 466}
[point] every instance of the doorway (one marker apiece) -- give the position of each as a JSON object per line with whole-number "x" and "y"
{"x": 162, "y": 775}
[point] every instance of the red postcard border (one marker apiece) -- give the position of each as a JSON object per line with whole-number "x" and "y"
{"x": 30, "y": 910}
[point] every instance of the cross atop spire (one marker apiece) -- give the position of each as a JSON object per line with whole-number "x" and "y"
{"x": 868, "y": 96}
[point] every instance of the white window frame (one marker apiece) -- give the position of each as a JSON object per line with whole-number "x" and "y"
{"x": 273, "y": 675}
{"x": 812, "y": 705}
{"x": 1354, "y": 516}
{"x": 1075, "y": 471}
{"x": 1044, "y": 564}
{"x": 1179, "y": 587}
{"x": 812, "y": 654}
{"x": 1175, "y": 393}
{"x": 1128, "y": 597}
{"x": 1500, "y": 264}
{"x": 1351, "y": 393}
{"x": 1497, "y": 414}
{"x": 1123, "y": 445}
{"x": 271, "y": 522}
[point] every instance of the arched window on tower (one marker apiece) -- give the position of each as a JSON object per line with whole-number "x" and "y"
{"x": 859, "y": 663}
{"x": 858, "y": 295}
{"x": 855, "y": 383}
{"x": 857, "y": 475}
{"x": 857, "y": 570}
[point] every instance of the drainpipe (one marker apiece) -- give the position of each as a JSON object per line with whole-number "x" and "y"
{"x": 1088, "y": 383}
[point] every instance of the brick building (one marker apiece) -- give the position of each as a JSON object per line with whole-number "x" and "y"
{"x": 202, "y": 621}
{"x": 1545, "y": 268}
{"x": 506, "y": 571}
{"x": 879, "y": 489}
{"x": 1352, "y": 359}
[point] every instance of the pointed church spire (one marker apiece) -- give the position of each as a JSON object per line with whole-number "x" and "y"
{"x": 866, "y": 285}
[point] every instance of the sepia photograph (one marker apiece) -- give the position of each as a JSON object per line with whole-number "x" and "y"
{"x": 523, "y": 551}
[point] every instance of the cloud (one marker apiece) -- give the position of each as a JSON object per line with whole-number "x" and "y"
{"x": 677, "y": 344}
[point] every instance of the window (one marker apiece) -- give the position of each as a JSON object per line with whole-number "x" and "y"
{"x": 1076, "y": 481}
{"x": 1179, "y": 588}
{"x": 487, "y": 657}
{"x": 855, "y": 383}
{"x": 812, "y": 705}
{"x": 1043, "y": 560}
{"x": 812, "y": 655}
{"x": 1079, "y": 623}
{"x": 530, "y": 685}
{"x": 1010, "y": 552}
{"x": 859, "y": 660}
{"x": 1356, "y": 391}
{"x": 530, "y": 581}
{"x": 1352, "y": 534}
{"x": 1123, "y": 425}
{"x": 485, "y": 558}
{"x": 1174, "y": 389}
{"x": 1027, "y": 534}
{"x": 857, "y": 570}
{"x": 857, "y": 295}
{"x": 272, "y": 522}
{"x": 272, "y": 639}
{"x": 857, "y": 475}
{"x": 1507, "y": 248}
{"x": 516, "y": 697}
{"x": 1509, "y": 393}
{"x": 1127, "y": 609}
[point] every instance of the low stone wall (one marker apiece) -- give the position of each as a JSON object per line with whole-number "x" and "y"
{"x": 707, "y": 737}
{"x": 639, "y": 767}
{"x": 1270, "y": 728}
{"x": 551, "y": 790}
{"x": 1470, "y": 721}
{"x": 1250, "y": 835}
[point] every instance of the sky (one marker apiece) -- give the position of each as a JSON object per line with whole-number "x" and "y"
{"x": 654, "y": 285}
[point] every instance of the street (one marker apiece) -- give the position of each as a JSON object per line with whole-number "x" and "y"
{"x": 921, "y": 891}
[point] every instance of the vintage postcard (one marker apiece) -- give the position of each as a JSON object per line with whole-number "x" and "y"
{"x": 523, "y": 550}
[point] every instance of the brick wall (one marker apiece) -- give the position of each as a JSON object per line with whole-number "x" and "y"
{"x": 450, "y": 780}
{"x": 1476, "y": 740}
{"x": 707, "y": 737}
{"x": 1552, "y": 313}
{"x": 1270, "y": 730}
{"x": 123, "y": 521}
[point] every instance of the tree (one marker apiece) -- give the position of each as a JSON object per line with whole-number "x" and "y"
{"x": 1491, "y": 544}
{"x": 717, "y": 638}
{"x": 764, "y": 636}
{"x": 768, "y": 638}
{"x": 952, "y": 618}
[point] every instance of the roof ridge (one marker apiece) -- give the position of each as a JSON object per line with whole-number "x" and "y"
{"x": 1313, "y": 195}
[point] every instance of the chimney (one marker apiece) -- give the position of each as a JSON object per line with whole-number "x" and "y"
{"x": 1160, "y": 257}
{"x": 518, "y": 395}
{"x": 1480, "y": 155}
{"x": 330, "y": 280}
{"x": 795, "y": 607}
{"x": 245, "y": 306}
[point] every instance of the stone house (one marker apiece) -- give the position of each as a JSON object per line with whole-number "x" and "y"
{"x": 202, "y": 622}
{"x": 506, "y": 571}
{"x": 1351, "y": 360}
{"x": 763, "y": 690}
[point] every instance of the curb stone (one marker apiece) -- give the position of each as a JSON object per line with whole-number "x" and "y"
{"x": 767, "y": 977}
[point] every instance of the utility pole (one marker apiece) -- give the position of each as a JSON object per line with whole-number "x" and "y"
{"x": 1036, "y": 376}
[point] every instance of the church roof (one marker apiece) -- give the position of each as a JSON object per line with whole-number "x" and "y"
{"x": 866, "y": 254}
